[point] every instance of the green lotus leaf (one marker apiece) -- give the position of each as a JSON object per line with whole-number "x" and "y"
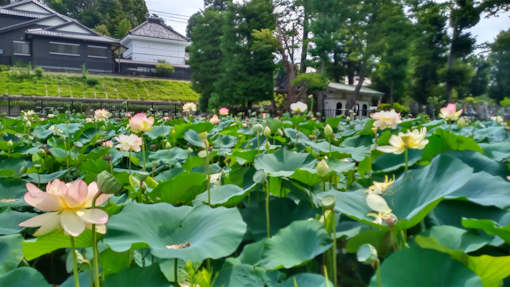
{"x": 292, "y": 246}
{"x": 193, "y": 138}
{"x": 11, "y": 167}
{"x": 10, "y": 252}
{"x": 389, "y": 162}
{"x": 135, "y": 276}
{"x": 421, "y": 267}
{"x": 187, "y": 233}
{"x": 497, "y": 151}
{"x": 180, "y": 189}
{"x": 228, "y": 195}
{"x": 23, "y": 277}
{"x": 443, "y": 140}
{"x": 10, "y": 219}
{"x": 413, "y": 195}
{"x": 491, "y": 134}
{"x": 306, "y": 279}
{"x": 283, "y": 163}
{"x": 170, "y": 157}
{"x": 485, "y": 189}
{"x": 158, "y": 132}
{"x": 34, "y": 248}
{"x": 225, "y": 142}
{"x": 234, "y": 274}
{"x": 457, "y": 243}
{"x": 45, "y": 178}
{"x": 489, "y": 227}
{"x": 12, "y": 192}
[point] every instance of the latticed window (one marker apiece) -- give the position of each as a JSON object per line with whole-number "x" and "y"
{"x": 97, "y": 52}
{"x": 64, "y": 49}
{"x": 21, "y": 48}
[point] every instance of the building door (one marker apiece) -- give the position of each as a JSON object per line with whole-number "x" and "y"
{"x": 339, "y": 108}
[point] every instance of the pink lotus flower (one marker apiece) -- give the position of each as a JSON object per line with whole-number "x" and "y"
{"x": 129, "y": 143}
{"x": 264, "y": 115}
{"x": 141, "y": 123}
{"x": 450, "y": 112}
{"x": 107, "y": 144}
{"x": 214, "y": 120}
{"x": 223, "y": 111}
{"x": 127, "y": 114}
{"x": 68, "y": 206}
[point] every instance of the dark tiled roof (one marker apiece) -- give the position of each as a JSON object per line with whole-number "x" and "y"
{"x": 42, "y": 32}
{"x": 155, "y": 28}
{"x": 22, "y": 13}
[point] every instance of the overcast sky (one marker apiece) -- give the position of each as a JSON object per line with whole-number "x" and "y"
{"x": 176, "y": 12}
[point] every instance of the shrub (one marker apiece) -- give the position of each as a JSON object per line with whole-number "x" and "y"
{"x": 92, "y": 82}
{"x": 39, "y": 72}
{"x": 400, "y": 108}
{"x": 313, "y": 82}
{"x": 505, "y": 102}
{"x": 164, "y": 70}
{"x": 384, "y": 107}
{"x": 4, "y": 68}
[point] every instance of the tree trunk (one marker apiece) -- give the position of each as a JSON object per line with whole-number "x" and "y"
{"x": 391, "y": 91}
{"x": 451, "y": 62}
{"x": 289, "y": 67}
{"x": 306, "y": 32}
{"x": 355, "y": 96}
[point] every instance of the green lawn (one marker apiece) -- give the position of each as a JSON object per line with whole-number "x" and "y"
{"x": 67, "y": 85}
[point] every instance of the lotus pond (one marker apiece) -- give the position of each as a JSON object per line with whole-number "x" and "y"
{"x": 288, "y": 202}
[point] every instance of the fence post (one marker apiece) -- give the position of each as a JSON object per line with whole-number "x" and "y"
{"x": 8, "y": 106}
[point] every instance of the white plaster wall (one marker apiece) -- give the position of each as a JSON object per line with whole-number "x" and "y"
{"x": 148, "y": 51}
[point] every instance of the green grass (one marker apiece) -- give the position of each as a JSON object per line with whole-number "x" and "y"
{"x": 65, "y": 85}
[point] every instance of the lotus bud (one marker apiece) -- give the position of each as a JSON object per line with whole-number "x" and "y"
{"x": 322, "y": 169}
{"x": 168, "y": 145}
{"x": 367, "y": 254}
{"x": 190, "y": 149}
{"x": 267, "y": 132}
{"x": 202, "y": 154}
{"x": 107, "y": 183}
{"x": 258, "y": 128}
{"x": 10, "y": 143}
{"x": 328, "y": 131}
{"x": 280, "y": 132}
{"x": 328, "y": 202}
{"x": 268, "y": 146}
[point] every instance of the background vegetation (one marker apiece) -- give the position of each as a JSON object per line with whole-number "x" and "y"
{"x": 22, "y": 81}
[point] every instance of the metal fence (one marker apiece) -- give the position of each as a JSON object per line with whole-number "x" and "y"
{"x": 13, "y": 105}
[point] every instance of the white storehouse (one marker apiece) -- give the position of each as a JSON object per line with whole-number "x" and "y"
{"x": 155, "y": 42}
{"x": 337, "y": 95}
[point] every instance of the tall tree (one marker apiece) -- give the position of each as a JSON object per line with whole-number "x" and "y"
{"x": 480, "y": 82}
{"x": 205, "y": 55}
{"x": 500, "y": 58}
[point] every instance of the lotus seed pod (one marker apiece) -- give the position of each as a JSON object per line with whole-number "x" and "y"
{"x": 367, "y": 254}
{"x": 258, "y": 128}
{"x": 328, "y": 202}
{"x": 328, "y": 131}
{"x": 267, "y": 132}
{"x": 323, "y": 168}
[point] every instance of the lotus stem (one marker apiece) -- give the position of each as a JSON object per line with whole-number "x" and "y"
{"x": 268, "y": 222}
{"x": 208, "y": 175}
{"x": 406, "y": 158}
{"x": 378, "y": 271}
{"x": 335, "y": 276}
{"x": 129, "y": 161}
{"x": 143, "y": 154}
{"x": 176, "y": 273}
{"x": 75, "y": 264}
{"x": 94, "y": 245}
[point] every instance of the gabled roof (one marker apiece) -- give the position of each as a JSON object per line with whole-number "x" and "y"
{"x": 351, "y": 88}
{"x": 155, "y": 27}
{"x": 41, "y": 14}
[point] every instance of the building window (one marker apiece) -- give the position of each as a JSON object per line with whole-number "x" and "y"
{"x": 338, "y": 109}
{"x": 21, "y": 48}
{"x": 1, "y": 51}
{"x": 364, "y": 111}
{"x": 65, "y": 49}
{"x": 97, "y": 52}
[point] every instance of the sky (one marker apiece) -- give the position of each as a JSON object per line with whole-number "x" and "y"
{"x": 176, "y": 12}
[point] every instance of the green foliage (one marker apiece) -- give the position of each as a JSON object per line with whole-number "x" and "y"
{"x": 164, "y": 70}
{"x": 500, "y": 58}
{"x": 38, "y": 72}
{"x": 16, "y": 82}
{"x": 505, "y": 102}
{"x": 312, "y": 82}
{"x": 84, "y": 72}
{"x": 108, "y": 17}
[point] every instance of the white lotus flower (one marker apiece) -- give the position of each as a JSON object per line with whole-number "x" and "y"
{"x": 298, "y": 108}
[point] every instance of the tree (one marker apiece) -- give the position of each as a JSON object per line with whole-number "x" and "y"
{"x": 102, "y": 29}
{"x": 480, "y": 82}
{"x": 429, "y": 51}
{"x": 123, "y": 28}
{"x": 205, "y": 55}
{"x": 4, "y": 2}
{"x": 500, "y": 58}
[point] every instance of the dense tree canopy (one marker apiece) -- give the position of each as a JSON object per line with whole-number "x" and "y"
{"x": 109, "y": 17}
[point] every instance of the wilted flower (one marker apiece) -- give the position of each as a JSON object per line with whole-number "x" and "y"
{"x": 107, "y": 144}
{"x": 141, "y": 123}
{"x": 189, "y": 107}
{"x": 410, "y": 140}
{"x": 380, "y": 187}
{"x": 68, "y": 206}
{"x": 450, "y": 112}
{"x": 101, "y": 115}
{"x": 385, "y": 119}
{"x": 298, "y": 108}
{"x": 215, "y": 178}
{"x": 223, "y": 111}
{"x": 383, "y": 212}
{"x": 214, "y": 120}
{"x": 129, "y": 143}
